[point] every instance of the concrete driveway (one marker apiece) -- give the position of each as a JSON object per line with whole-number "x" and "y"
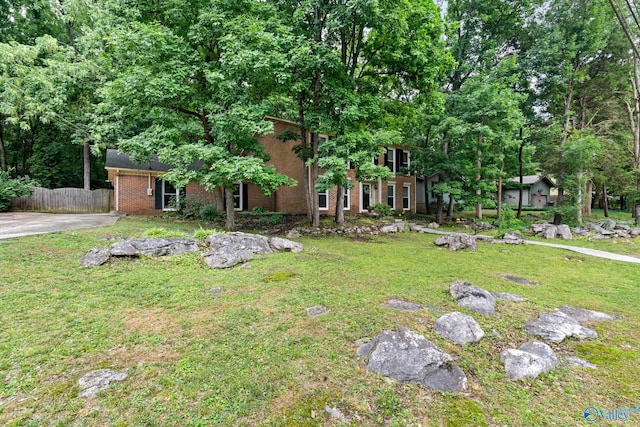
{"x": 16, "y": 224}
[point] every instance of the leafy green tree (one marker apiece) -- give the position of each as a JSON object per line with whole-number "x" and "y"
{"x": 192, "y": 79}
{"x": 571, "y": 35}
{"x": 354, "y": 61}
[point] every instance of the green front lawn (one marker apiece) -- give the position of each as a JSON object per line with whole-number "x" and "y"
{"x": 250, "y": 355}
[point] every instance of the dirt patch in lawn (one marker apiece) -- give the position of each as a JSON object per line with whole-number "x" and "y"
{"x": 150, "y": 322}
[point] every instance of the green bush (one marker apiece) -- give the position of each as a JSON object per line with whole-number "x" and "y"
{"x": 13, "y": 187}
{"x": 382, "y": 209}
{"x": 191, "y": 205}
{"x": 508, "y": 221}
{"x": 208, "y": 213}
{"x": 271, "y": 218}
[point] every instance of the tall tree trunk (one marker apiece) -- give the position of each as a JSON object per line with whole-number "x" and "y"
{"x": 340, "y": 205}
{"x": 86, "y": 149}
{"x": 520, "y": 179}
{"x": 479, "y": 177}
{"x": 230, "y": 220}
{"x": 557, "y": 219}
{"x": 579, "y": 201}
{"x": 500, "y": 188}
{"x": 429, "y": 211}
{"x": 315, "y": 171}
{"x": 439, "y": 208}
{"x": 452, "y": 203}
{"x": 3, "y": 153}
{"x": 588, "y": 194}
{"x": 606, "y": 200}
{"x": 218, "y": 199}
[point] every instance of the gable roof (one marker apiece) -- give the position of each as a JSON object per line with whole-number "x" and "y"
{"x": 118, "y": 160}
{"x": 532, "y": 179}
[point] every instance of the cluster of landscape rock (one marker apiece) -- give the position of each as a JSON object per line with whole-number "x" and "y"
{"x": 408, "y": 356}
{"x": 225, "y": 249}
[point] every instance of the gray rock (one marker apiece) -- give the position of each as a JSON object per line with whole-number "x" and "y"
{"x": 458, "y": 241}
{"x": 565, "y": 232}
{"x": 433, "y": 225}
{"x": 538, "y": 228}
{"x": 532, "y": 359}
{"x": 94, "y": 258}
{"x": 213, "y": 291}
{"x": 399, "y": 304}
{"x": 472, "y": 297}
{"x": 508, "y": 297}
{"x": 280, "y": 244}
{"x": 293, "y": 234}
{"x": 557, "y": 326}
{"x": 519, "y": 280}
{"x": 408, "y": 356}
{"x": 459, "y": 328}
{"x": 335, "y": 413}
{"x": 609, "y": 224}
{"x": 580, "y": 363}
{"x": 550, "y": 231}
{"x": 481, "y": 226}
{"x": 581, "y": 231}
{"x": 584, "y": 315}
{"x": 512, "y": 239}
{"x": 157, "y": 246}
{"x": 317, "y": 310}
{"x": 229, "y": 249}
{"x": 389, "y": 228}
{"x": 95, "y": 381}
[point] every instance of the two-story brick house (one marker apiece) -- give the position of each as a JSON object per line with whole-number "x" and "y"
{"x": 140, "y": 189}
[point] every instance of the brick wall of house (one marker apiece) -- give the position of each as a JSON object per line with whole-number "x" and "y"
{"x": 133, "y": 198}
{"x": 132, "y": 195}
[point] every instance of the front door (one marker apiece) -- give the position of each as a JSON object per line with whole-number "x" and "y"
{"x": 366, "y": 197}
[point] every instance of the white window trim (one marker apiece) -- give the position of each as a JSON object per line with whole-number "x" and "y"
{"x": 164, "y": 194}
{"x": 371, "y": 198}
{"x": 347, "y": 196}
{"x": 393, "y": 162}
{"x": 408, "y": 159}
{"x": 392, "y": 184}
{"x": 325, "y": 208}
{"x": 241, "y": 195}
{"x": 408, "y": 186}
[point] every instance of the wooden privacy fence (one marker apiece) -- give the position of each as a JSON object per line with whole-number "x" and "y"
{"x": 65, "y": 200}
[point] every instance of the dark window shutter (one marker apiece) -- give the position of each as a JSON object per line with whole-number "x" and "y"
{"x": 158, "y": 193}
{"x": 398, "y": 160}
{"x": 245, "y": 197}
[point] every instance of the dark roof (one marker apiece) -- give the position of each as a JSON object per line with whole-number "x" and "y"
{"x": 118, "y": 160}
{"x": 533, "y": 179}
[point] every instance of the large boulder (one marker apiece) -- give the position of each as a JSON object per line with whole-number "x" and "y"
{"x": 229, "y": 249}
{"x": 157, "y": 246}
{"x": 565, "y": 232}
{"x": 408, "y": 356}
{"x": 94, "y": 258}
{"x": 459, "y": 328}
{"x": 550, "y": 231}
{"x": 458, "y": 241}
{"x": 557, "y": 326}
{"x": 472, "y": 297}
{"x": 532, "y": 359}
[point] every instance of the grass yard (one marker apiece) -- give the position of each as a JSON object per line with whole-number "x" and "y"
{"x": 250, "y": 355}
